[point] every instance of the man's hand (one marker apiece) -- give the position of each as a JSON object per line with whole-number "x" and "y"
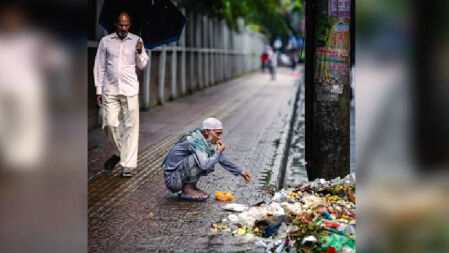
{"x": 99, "y": 100}
{"x": 220, "y": 146}
{"x": 246, "y": 176}
{"x": 139, "y": 47}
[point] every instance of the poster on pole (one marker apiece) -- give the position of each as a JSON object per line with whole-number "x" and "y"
{"x": 332, "y": 64}
{"x": 340, "y": 8}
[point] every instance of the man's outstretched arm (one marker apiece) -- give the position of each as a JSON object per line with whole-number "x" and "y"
{"x": 234, "y": 169}
{"x": 228, "y": 165}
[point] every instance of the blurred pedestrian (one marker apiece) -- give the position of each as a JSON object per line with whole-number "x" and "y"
{"x": 117, "y": 87}
{"x": 264, "y": 61}
{"x": 29, "y": 60}
{"x": 272, "y": 63}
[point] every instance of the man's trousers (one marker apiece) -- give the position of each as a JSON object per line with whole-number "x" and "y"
{"x": 125, "y": 139}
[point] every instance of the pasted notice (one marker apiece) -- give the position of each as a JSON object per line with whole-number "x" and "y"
{"x": 324, "y": 93}
{"x": 340, "y": 8}
{"x": 332, "y": 57}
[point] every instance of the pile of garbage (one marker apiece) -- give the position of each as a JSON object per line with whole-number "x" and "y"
{"x": 318, "y": 216}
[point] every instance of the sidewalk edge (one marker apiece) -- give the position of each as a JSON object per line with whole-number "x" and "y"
{"x": 281, "y": 155}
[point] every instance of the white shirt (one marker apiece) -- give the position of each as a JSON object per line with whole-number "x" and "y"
{"x": 273, "y": 56}
{"x": 115, "y": 65}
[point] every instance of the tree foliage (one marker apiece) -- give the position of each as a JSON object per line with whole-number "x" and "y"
{"x": 270, "y": 17}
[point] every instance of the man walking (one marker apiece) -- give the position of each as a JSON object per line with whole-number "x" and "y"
{"x": 272, "y": 63}
{"x": 117, "y": 87}
{"x": 195, "y": 155}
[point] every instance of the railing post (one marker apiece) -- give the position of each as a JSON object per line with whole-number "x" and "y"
{"x": 228, "y": 49}
{"x": 173, "y": 89}
{"x": 147, "y": 83}
{"x": 192, "y": 51}
{"x": 217, "y": 53}
{"x": 173, "y": 77}
{"x": 161, "y": 83}
{"x": 212, "y": 52}
{"x": 233, "y": 62}
{"x": 198, "y": 46}
{"x": 206, "y": 53}
{"x": 221, "y": 47}
{"x": 183, "y": 58}
{"x": 237, "y": 46}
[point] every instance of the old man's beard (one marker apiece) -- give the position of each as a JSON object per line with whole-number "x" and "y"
{"x": 122, "y": 34}
{"x": 209, "y": 140}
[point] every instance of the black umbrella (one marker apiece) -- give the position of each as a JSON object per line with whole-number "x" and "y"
{"x": 158, "y": 22}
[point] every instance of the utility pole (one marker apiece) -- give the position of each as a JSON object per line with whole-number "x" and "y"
{"x": 328, "y": 51}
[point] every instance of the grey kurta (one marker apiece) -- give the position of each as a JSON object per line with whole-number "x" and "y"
{"x": 205, "y": 161}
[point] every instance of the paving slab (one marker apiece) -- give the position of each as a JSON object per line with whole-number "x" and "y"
{"x": 140, "y": 215}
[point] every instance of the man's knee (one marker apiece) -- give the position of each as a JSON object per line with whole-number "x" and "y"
{"x": 110, "y": 121}
{"x": 110, "y": 130}
{"x": 195, "y": 174}
{"x": 173, "y": 183}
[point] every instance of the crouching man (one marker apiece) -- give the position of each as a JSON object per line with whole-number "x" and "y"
{"x": 195, "y": 155}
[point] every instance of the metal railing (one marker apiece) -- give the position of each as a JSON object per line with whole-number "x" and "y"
{"x": 207, "y": 53}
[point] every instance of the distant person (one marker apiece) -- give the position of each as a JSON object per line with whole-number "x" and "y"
{"x": 272, "y": 63}
{"x": 264, "y": 61}
{"x": 293, "y": 60}
{"x": 117, "y": 87}
{"x": 195, "y": 155}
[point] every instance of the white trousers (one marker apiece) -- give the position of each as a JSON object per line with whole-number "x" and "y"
{"x": 23, "y": 129}
{"x": 124, "y": 139}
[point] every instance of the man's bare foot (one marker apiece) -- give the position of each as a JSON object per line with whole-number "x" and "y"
{"x": 198, "y": 189}
{"x": 190, "y": 191}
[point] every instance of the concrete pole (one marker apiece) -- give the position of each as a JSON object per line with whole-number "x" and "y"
{"x": 327, "y": 90}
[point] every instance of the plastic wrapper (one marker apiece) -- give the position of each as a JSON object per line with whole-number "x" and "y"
{"x": 317, "y": 216}
{"x": 235, "y": 207}
{"x": 224, "y": 195}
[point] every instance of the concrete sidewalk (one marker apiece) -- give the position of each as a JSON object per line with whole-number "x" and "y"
{"x": 139, "y": 214}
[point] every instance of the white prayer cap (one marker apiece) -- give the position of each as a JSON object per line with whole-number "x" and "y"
{"x": 211, "y": 123}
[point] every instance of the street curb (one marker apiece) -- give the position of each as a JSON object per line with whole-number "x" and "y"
{"x": 281, "y": 155}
